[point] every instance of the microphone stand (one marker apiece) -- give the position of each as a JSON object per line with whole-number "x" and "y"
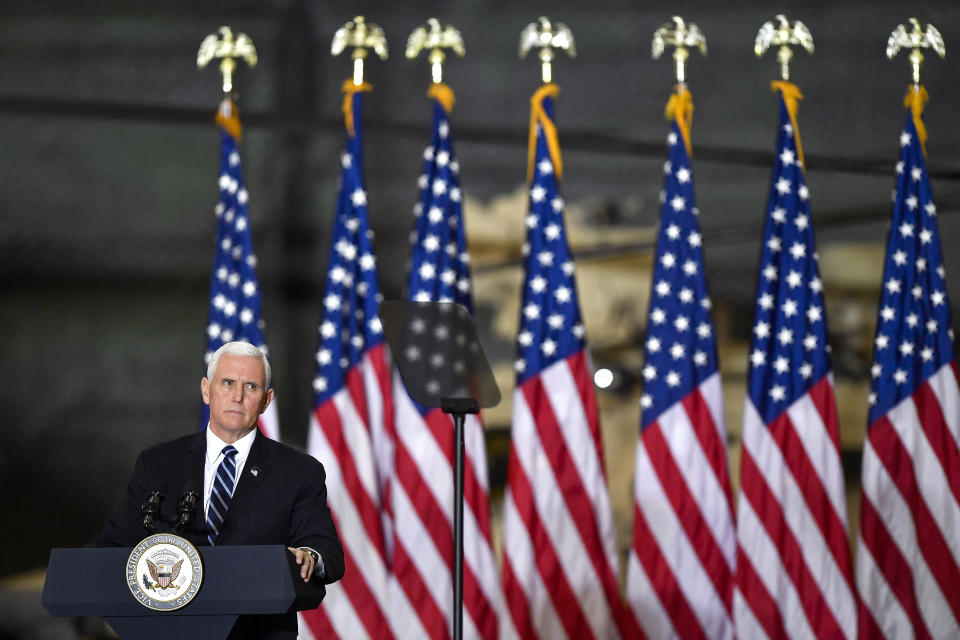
{"x": 458, "y": 408}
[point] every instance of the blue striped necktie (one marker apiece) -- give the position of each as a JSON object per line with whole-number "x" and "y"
{"x": 222, "y": 491}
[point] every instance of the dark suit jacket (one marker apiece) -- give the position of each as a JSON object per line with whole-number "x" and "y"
{"x": 284, "y": 502}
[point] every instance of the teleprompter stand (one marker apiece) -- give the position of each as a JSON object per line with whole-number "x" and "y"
{"x": 237, "y": 580}
{"x": 435, "y": 347}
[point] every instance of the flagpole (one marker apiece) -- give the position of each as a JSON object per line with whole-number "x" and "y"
{"x": 671, "y": 385}
{"x": 436, "y": 39}
{"x": 913, "y": 403}
{"x": 234, "y": 311}
{"x": 556, "y": 497}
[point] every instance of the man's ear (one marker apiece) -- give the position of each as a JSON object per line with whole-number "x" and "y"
{"x": 267, "y": 398}
{"x": 205, "y": 390}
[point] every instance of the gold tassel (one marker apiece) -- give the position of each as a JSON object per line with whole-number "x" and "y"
{"x": 791, "y": 97}
{"x": 680, "y": 108}
{"x": 916, "y": 100}
{"x": 538, "y": 115}
{"x": 348, "y": 90}
{"x": 442, "y": 94}
{"x": 228, "y": 118}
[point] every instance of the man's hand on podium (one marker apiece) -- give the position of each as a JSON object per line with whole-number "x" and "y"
{"x": 307, "y": 561}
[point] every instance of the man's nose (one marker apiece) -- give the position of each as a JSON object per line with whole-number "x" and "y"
{"x": 237, "y": 395}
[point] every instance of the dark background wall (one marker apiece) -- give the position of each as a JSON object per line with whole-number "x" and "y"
{"x": 109, "y": 163}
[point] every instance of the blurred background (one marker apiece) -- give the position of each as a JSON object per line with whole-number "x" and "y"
{"x": 108, "y": 179}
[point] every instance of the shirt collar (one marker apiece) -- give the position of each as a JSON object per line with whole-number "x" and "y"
{"x": 215, "y": 445}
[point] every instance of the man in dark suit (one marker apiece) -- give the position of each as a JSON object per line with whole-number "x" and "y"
{"x": 255, "y": 490}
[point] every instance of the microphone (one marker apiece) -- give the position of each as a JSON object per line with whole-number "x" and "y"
{"x": 151, "y": 509}
{"x": 186, "y": 509}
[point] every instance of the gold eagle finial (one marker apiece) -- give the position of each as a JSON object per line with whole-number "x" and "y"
{"x": 361, "y": 35}
{"x": 223, "y": 45}
{"x": 915, "y": 40}
{"x": 547, "y": 36}
{"x": 783, "y": 35}
{"x": 436, "y": 39}
{"x": 681, "y": 35}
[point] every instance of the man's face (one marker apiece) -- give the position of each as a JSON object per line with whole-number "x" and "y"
{"x": 236, "y": 395}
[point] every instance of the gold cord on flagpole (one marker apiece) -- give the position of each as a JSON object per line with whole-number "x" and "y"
{"x": 791, "y": 98}
{"x": 223, "y": 45}
{"x": 538, "y": 117}
{"x": 436, "y": 39}
{"x": 362, "y": 36}
{"x": 783, "y": 35}
{"x": 547, "y": 36}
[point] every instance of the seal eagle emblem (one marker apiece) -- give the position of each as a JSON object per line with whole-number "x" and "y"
{"x": 164, "y": 572}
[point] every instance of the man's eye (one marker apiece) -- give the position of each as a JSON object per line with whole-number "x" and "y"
{"x": 251, "y": 386}
{"x": 228, "y": 383}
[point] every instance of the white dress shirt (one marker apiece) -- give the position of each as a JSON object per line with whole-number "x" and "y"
{"x": 215, "y": 456}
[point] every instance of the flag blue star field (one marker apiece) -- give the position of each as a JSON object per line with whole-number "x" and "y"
{"x": 556, "y": 506}
{"x": 908, "y": 563}
{"x": 681, "y": 563}
{"x": 794, "y": 576}
{"x": 422, "y": 493}
{"x": 352, "y": 405}
{"x": 235, "y": 297}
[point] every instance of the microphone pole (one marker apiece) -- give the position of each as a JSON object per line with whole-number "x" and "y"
{"x": 458, "y": 408}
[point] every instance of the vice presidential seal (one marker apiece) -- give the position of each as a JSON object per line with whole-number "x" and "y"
{"x": 164, "y": 572}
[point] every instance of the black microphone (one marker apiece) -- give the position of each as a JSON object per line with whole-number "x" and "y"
{"x": 151, "y": 509}
{"x": 187, "y": 508}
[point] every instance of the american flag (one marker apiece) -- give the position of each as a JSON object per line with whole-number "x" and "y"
{"x": 234, "y": 290}
{"x": 353, "y": 408}
{"x": 794, "y": 574}
{"x": 681, "y": 563}
{"x": 422, "y": 491}
{"x": 908, "y": 550}
{"x": 560, "y": 557}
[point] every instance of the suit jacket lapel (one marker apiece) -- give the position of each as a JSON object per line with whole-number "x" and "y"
{"x": 192, "y": 466}
{"x": 255, "y": 470}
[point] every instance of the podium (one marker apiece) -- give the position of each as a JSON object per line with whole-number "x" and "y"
{"x": 237, "y": 580}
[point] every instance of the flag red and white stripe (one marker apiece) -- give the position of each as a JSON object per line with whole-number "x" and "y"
{"x": 348, "y": 433}
{"x": 269, "y": 422}
{"x": 793, "y": 561}
{"x": 681, "y": 563}
{"x": 422, "y": 499}
{"x": 908, "y": 552}
{"x": 559, "y": 560}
